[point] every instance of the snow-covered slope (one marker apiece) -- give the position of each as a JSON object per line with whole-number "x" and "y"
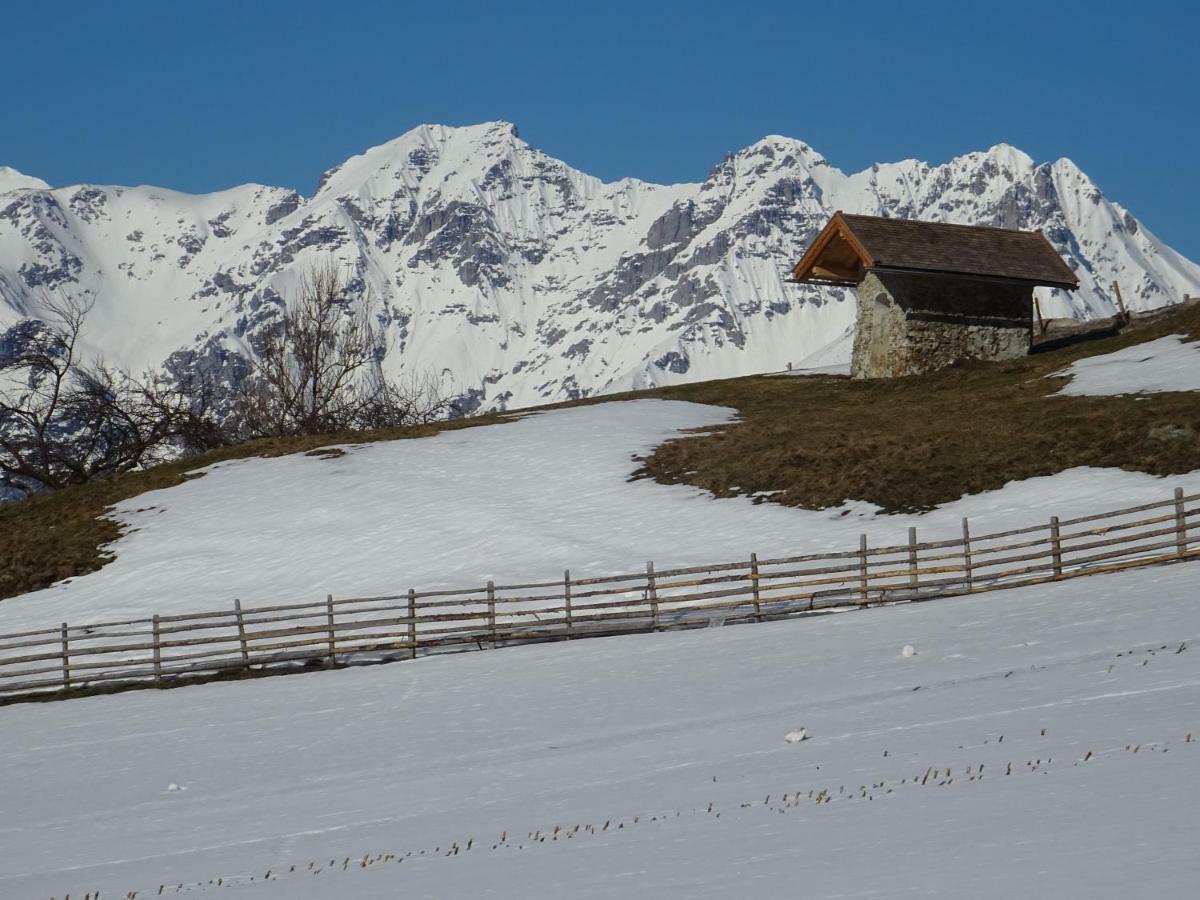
{"x": 518, "y": 279}
{"x": 515, "y": 502}
{"x": 1041, "y": 742}
{"x": 12, "y": 180}
{"x": 1171, "y": 363}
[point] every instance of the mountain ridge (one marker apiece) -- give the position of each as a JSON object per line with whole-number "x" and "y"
{"x": 517, "y": 279}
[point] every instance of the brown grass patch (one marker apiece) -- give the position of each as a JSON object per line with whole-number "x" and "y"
{"x": 913, "y": 443}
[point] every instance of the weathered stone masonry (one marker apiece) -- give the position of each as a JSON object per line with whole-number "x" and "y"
{"x": 911, "y": 322}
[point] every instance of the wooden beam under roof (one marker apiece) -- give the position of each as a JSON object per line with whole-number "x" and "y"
{"x": 835, "y": 254}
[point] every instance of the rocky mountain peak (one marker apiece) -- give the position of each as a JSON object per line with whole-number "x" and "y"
{"x": 517, "y": 279}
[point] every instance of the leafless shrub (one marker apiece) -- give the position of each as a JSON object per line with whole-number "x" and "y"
{"x": 321, "y": 370}
{"x": 64, "y": 421}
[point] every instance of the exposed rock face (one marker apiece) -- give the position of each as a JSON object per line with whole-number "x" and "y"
{"x": 517, "y": 279}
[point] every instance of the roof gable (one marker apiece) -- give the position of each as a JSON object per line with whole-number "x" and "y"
{"x": 849, "y": 245}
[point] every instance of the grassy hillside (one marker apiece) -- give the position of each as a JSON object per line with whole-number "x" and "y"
{"x": 912, "y": 443}
{"x": 905, "y": 444}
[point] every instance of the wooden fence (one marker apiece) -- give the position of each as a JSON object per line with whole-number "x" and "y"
{"x": 166, "y": 649}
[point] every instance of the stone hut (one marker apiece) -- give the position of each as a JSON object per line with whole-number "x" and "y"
{"x": 930, "y": 294}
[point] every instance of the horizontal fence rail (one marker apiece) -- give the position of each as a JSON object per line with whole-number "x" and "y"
{"x": 166, "y": 649}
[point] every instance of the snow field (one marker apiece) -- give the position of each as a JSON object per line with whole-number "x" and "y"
{"x": 514, "y": 503}
{"x": 1036, "y": 745}
{"x": 1170, "y": 363}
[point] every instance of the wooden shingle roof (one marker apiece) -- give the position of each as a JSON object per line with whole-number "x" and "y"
{"x": 850, "y": 245}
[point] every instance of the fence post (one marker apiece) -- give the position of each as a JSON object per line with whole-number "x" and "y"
{"x": 157, "y": 650}
{"x": 652, "y": 593}
{"x": 491, "y": 595}
{"x": 912, "y": 557}
{"x": 1180, "y": 524}
{"x": 754, "y": 587}
{"x": 332, "y": 633}
{"x": 967, "y": 562}
{"x": 1055, "y": 547}
{"x": 241, "y": 627}
{"x": 864, "y": 579}
{"x": 412, "y": 621}
{"x": 567, "y": 599}
{"x": 66, "y": 661}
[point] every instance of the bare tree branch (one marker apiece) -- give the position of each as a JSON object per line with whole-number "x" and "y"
{"x": 321, "y": 371}
{"x": 64, "y": 422}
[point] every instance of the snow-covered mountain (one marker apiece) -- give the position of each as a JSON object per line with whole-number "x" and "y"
{"x": 520, "y": 280}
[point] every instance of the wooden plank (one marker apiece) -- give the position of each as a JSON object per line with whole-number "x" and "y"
{"x": 848, "y": 569}
{"x": 1012, "y": 532}
{"x": 674, "y": 601}
{"x": 912, "y": 556}
{"x": 491, "y": 596}
{"x": 978, "y": 552}
{"x": 979, "y": 566}
{"x": 700, "y": 570}
{"x": 332, "y": 631}
{"x": 567, "y": 601}
{"x": 52, "y": 641}
{"x": 668, "y": 585}
{"x": 1140, "y": 548}
{"x": 157, "y": 650}
{"x": 1055, "y": 547}
{"x": 241, "y": 627}
{"x": 652, "y": 595}
{"x": 250, "y": 610}
{"x": 66, "y": 658}
{"x": 118, "y": 665}
{"x": 251, "y": 636}
{"x": 614, "y": 579}
{"x": 56, "y": 654}
{"x": 412, "y": 621}
{"x": 1127, "y": 539}
{"x": 40, "y": 670}
{"x": 864, "y": 577}
{"x": 229, "y": 623}
{"x": 1180, "y": 524}
{"x": 52, "y": 634}
{"x": 1117, "y": 513}
{"x": 966, "y": 543}
{"x": 1120, "y": 526}
{"x": 1124, "y": 314}
{"x": 754, "y": 586}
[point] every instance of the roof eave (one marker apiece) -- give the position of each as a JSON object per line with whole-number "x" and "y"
{"x": 835, "y": 226}
{"x": 832, "y": 282}
{"x": 1032, "y": 282}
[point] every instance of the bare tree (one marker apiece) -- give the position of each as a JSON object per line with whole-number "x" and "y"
{"x": 65, "y": 422}
{"x": 321, "y": 370}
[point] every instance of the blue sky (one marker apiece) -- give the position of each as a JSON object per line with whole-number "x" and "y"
{"x": 205, "y": 95}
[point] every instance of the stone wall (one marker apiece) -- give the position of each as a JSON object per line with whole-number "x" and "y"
{"x": 880, "y": 334}
{"x": 913, "y": 323}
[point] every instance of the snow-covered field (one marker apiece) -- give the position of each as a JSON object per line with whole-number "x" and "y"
{"x": 514, "y": 502}
{"x": 1036, "y": 745}
{"x": 1171, "y": 363}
